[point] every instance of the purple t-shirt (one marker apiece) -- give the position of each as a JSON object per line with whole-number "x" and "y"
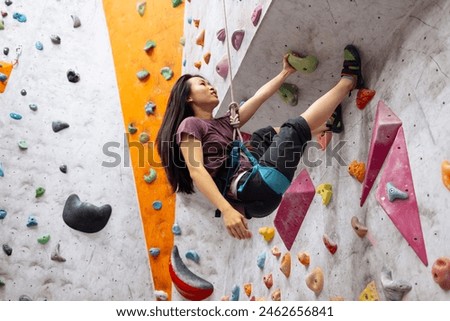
{"x": 216, "y": 135}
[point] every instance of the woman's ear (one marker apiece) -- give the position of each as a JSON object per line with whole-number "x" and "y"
{"x": 189, "y": 99}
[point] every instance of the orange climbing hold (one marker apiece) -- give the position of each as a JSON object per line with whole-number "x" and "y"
{"x": 324, "y": 139}
{"x": 441, "y": 272}
{"x": 286, "y": 264}
{"x": 198, "y": 64}
{"x": 357, "y": 170}
{"x": 268, "y": 280}
{"x": 276, "y": 296}
{"x": 276, "y": 251}
{"x": 445, "y": 167}
{"x": 314, "y": 281}
{"x": 370, "y": 293}
{"x": 207, "y": 57}
{"x": 201, "y": 38}
{"x": 196, "y": 23}
{"x": 248, "y": 289}
{"x": 304, "y": 258}
{"x": 359, "y": 228}
{"x": 363, "y": 97}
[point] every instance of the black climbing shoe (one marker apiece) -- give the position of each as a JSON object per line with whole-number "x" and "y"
{"x": 335, "y": 123}
{"x": 352, "y": 65}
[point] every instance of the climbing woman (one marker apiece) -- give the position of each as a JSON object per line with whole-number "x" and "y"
{"x": 196, "y": 148}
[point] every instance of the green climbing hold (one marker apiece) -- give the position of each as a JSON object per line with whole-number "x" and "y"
{"x": 150, "y": 44}
{"x": 176, "y": 3}
{"x": 40, "y": 191}
{"x": 167, "y": 73}
{"x": 1, "y": 281}
{"x": 141, "y": 8}
{"x": 303, "y": 64}
{"x": 22, "y": 144}
{"x": 44, "y": 239}
{"x": 142, "y": 74}
{"x": 131, "y": 129}
{"x": 289, "y": 93}
{"x": 2, "y": 24}
{"x": 150, "y": 177}
{"x": 144, "y": 138}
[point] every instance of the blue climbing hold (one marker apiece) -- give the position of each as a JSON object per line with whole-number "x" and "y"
{"x": 189, "y": 20}
{"x": 2, "y": 173}
{"x": 32, "y": 221}
{"x": 193, "y": 256}
{"x": 394, "y": 193}
{"x": 15, "y": 116}
{"x": 150, "y": 108}
{"x": 3, "y": 77}
{"x": 235, "y": 293}
{"x": 157, "y": 205}
{"x": 2, "y": 214}
{"x": 19, "y": 17}
{"x": 261, "y": 260}
{"x": 39, "y": 45}
{"x": 154, "y": 251}
{"x": 176, "y": 229}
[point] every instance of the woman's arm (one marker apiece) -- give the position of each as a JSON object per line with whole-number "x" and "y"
{"x": 192, "y": 151}
{"x": 248, "y": 109}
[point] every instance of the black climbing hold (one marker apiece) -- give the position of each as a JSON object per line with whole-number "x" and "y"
{"x": 59, "y": 125}
{"x": 7, "y": 249}
{"x": 8, "y": 2}
{"x": 23, "y": 92}
{"x": 55, "y": 39}
{"x": 73, "y": 76}
{"x": 25, "y": 297}
{"x": 63, "y": 168}
{"x": 85, "y": 217}
{"x": 6, "y": 51}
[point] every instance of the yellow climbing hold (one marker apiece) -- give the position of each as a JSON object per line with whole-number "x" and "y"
{"x": 370, "y": 293}
{"x": 267, "y": 232}
{"x": 357, "y": 170}
{"x": 248, "y": 289}
{"x": 326, "y": 191}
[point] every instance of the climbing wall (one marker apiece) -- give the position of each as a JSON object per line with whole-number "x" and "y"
{"x": 357, "y": 252}
{"x": 43, "y": 162}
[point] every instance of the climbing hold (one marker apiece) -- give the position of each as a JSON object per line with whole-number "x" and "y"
{"x": 33, "y": 107}
{"x": 142, "y": 75}
{"x": 267, "y": 232}
{"x": 197, "y": 64}
{"x": 268, "y": 280}
{"x": 236, "y": 38}
{"x": 200, "y": 40}
{"x": 40, "y": 191}
{"x": 154, "y": 251}
{"x": 286, "y": 264}
{"x": 326, "y": 191}
{"x": 6, "y": 51}
{"x": 441, "y": 272}
{"x": 23, "y": 92}
{"x": 140, "y": 7}
{"x": 304, "y": 258}
{"x": 24, "y": 297}
{"x": 293, "y": 208}
{"x": 261, "y": 260}
{"x": 167, "y": 73}
{"x": 8, "y": 2}
{"x": 189, "y": 20}
{"x": 161, "y": 295}
{"x": 394, "y": 193}
{"x": 393, "y": 290}
{"x": 193, "y": 256}
{"x": 256, "y": 15}
{"x": 314, "y": 280}
{"x": 151, "y": 176}
{"x": 72, "y": 76}
{"x": 363, "y": 97}
{"x": 330, "y": 245}
{"x": 19, "y": 17}
{"x": 2, "y": 25}
{"x": 370, "y": 293}
{"x": 276, "y": 251}
{"x": 196, "y": 23}
{"x": 149, "y": 45}
{"x": 306, "y": 64}
{"x": 38, "y": 45}
{"x": 144, "y": 137}
{"x": 189, "y": 285}
{"x": 176, "y": 230}
{"x": 32, "y": 221}
{"x": 357, "y": 170}
{"x": 207, "y": 57}
{"x": 2, "y": 283}
{"x": 276, "y": 295}
{"x": 182, "y": 41}
{"x": 248, "y": 289}
{"x": 56, "y": 254}
{"x": 150, "y": 108}
{"x": 235, "y": 291}
{"x": 337, "y": 298}
{"x": 445, "y": 168}
{"x": 225, "y": 298}
{"x": 44, "y": 239}
{"x": 3, "y": 77}
{"x": 157, "y": 205}
{"x": 55, "y": 39}
{"x": 222, "y": 67}
{"x": 22, "y": 144}
{"x": 4, "y": 13}
{"x": 85, "y": 217}
{"x": 15, "y": 116}
{"x": 221, "y": 35}
{"x": 76, "y": 21}
{"x": 131, "y": 129}
{"x": 59, "y": 125}
{"x": 3, "y": 214}
{"x": 359, "y": 228}
{"x": 176, "y": 3}
{"x": 7, "y": 249}
{"x": 324, "y": 139}
{"x": 63, "y": 168}
{"x": 289, "y": 93}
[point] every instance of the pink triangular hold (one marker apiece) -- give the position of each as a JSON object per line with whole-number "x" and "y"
{"x": 293, "y": 208}
{"x": 404, "y": 213}
{"x": 385, "y": 129}
{"x": 222, "y": 67}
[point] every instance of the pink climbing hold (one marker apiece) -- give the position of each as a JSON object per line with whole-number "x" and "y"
{"x": 256, "y": 14}
{"x": 293, "y": 208}
{"x": 221, "y": 35}
{"x": 385, "y": 129}
{"x": 403, "y": 213}
{"x": 222, "y": 67}
{"x": 237, "y": 38}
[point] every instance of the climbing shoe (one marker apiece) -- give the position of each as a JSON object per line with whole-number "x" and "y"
{"x": 335, "y": 123}
{"x": 352, "y": 65}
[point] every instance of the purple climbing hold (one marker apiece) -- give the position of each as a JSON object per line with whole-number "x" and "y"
{"x": 221, "y": 35}
{"x": 222, "y": 67}
{"x": 237, "y": 38}
{"x": 256, "y": 15}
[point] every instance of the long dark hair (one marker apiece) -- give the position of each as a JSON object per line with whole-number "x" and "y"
{"x": 177, "y": 109}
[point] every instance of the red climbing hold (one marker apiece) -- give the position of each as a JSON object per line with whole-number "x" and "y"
{"x": 363, "y": 97}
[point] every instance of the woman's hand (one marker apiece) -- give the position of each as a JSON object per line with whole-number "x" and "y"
{"x": 236, "y": 224}
{"x": 287, "y": 66}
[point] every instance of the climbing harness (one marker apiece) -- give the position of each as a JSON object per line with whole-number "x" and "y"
{"x": 270, "y": 175}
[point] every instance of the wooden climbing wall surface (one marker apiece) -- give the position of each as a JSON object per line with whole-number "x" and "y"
{"x": 129, "y": 31}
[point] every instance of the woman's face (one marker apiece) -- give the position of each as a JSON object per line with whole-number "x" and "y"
{"x": 202, "y": 94}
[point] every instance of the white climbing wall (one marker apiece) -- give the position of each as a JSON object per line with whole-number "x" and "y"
{"x": 111, "y": 264}
{"x": 405, "y": 50}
